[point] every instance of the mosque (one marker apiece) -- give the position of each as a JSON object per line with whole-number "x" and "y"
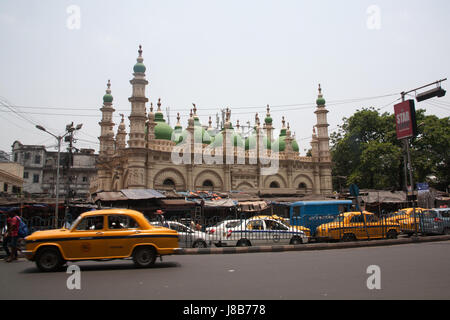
{"x": 153, "y": 155}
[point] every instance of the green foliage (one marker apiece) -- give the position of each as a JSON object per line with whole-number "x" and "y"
{"x": 365, "y": 149}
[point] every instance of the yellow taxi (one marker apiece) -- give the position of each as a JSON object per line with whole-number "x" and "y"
{"x": 283, "y": 221}
{"x": 407, "y": 222}
{"x": 352, "y": 226}
{"x": 103, "y": 234}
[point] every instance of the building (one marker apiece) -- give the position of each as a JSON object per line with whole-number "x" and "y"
{"x": 39, "y": 173}
{"x": 11, "y": 181}
{"x": 157, "y": 156}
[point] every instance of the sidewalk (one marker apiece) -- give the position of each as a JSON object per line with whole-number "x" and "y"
{"x": 301, "y": 247}
{"x": 311, "y": 246}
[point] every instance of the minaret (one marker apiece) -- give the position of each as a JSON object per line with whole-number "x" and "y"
{"x": 138, "y": 100}
{"x": 107, "y": 135}
{"x": 137, "y": 142}
{"x": 268, "y": 125}
{"x": 151, "y": 126}
{"x": 106, "y": 138}
{"x": 323, "y": 140}
{"x": 121, "y": 135}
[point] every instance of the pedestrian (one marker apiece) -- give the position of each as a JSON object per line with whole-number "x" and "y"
{"x": 12, "y": 235}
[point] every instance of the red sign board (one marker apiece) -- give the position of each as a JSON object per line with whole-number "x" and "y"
{"x": 405, "y": 119}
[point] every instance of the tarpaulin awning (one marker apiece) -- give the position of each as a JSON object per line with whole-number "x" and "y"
{"x": 384, "y": 197}
{"x": 224, "y": 203}
{"x": 176, "y": 202}
{"x": 110, "y": 196}
{"x": 141, "y": 194}
{"x": 252, "y": 206}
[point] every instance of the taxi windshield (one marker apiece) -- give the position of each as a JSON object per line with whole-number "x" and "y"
{"x": 75, "y": 222}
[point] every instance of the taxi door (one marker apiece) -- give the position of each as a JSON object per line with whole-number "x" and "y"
{"x": 276, "y": 233}
{"x": 374, "y": 227}
{"x": 122, "y": 233}
{"x": 87, "y": 239}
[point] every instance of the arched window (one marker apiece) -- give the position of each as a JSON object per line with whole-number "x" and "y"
{"x": 208, "y": 184}
{"x": 274, "y": 185}
{"x": 302, "y": 186}
{"x": 169, "y": 183}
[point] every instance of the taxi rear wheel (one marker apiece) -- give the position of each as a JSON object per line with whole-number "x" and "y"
{"x": 49, "y": 259}
{"x": 349, "y": 237}
{"x": 243, "y": 243}
{"x": 296, "y": 241}
{"x": 392, "y": 234}
{"x": 200, "y": 244}
{"x": 144, "y": 257}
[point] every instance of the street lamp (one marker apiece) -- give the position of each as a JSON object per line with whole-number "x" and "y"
{"x": 59, "y": 138}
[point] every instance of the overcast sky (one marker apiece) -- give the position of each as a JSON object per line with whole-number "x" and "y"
{"x": 56, "y": 57}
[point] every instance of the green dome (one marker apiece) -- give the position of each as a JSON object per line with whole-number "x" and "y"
{"x": 162, "y": 130}
{"x": 280, "y": 145}
{"x": 139, "y": 67}
{"x": 176, "y": 134}
{"x": 250, "y": 142}
{"x": 108, "y": 98}
{"x": 200, "y": 134}
{"x": 268, "y": 120}
{"x": 320, "y": 102}
{"x": 218, "y": 140}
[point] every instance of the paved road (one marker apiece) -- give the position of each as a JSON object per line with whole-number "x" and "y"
{"x": 415, "y": 271}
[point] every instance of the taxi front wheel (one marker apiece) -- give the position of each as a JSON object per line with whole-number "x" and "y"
{"x": 49, "y": 259}
{"x": 144, "y": 257}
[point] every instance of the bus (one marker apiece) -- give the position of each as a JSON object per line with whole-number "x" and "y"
{"x": 312, "y": 214}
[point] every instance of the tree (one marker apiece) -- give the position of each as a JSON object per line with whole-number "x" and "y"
{"x": 365, "y": 149}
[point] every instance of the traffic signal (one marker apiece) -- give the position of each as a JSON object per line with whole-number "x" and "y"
{"x": 436, "y": 92}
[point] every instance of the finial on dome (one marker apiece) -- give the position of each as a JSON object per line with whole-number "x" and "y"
{"x": 283, "y": 122}
{"x": 210, "y": 123}
{"x": 151, "y": 106}
{"x": 320, "y": 89}
{"x": 194, "y": 109}
{"x": 140, "y": 51}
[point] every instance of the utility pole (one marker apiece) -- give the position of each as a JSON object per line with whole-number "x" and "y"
{"x": 59, "y": 138}
{"x": 407, "y": 129}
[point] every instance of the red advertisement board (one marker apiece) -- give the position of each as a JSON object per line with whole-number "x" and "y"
{"x": 405, "y": 119}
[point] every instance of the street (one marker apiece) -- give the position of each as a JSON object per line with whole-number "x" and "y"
{"x": 416, "y": 271}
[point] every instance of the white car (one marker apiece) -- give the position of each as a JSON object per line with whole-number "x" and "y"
{"x": 260, "y": 232}
{"x": 190, "y": 238}
{"x": 222, "y": 226}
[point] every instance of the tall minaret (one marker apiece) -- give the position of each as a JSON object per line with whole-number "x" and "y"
{"x": 137, "y": 176}
{"x": 107, "y": 135}
{"x": 106, "y": 138}
{"x": 323, "y": 140}
{"x": 322, "y": 128}
{"x": 138, "y": 100}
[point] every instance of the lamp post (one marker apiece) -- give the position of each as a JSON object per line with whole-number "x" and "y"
{"x": 59, "y": 139}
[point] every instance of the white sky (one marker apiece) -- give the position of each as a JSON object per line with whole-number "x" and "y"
{"x": 217, "y": 54}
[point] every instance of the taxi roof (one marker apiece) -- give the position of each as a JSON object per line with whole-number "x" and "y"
{"x": 111, "y": 211}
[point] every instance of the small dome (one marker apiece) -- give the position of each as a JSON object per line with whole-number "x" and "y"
{"x": 139, "y": 67}
{"x": 320, "y": 102}
{"x": 108, "y": 98}
{"x": 268, "y": 120}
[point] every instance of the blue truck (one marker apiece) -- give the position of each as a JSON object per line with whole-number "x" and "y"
{"x": 312, "y": 214}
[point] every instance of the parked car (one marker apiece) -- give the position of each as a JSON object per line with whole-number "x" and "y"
{"x": 261, "y": 232}
{"x": 222, "y": 226}
{"x": 286, "y": 223}
{"x": 352, "y": 226}
{"x": 102, "y": 234}
{"x": 407, "y": 221}
{"x": 435, "y": 221}
{"x": 190, "y": 238}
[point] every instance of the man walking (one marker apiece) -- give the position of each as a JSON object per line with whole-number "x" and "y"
{"x": 12, "y": 235}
